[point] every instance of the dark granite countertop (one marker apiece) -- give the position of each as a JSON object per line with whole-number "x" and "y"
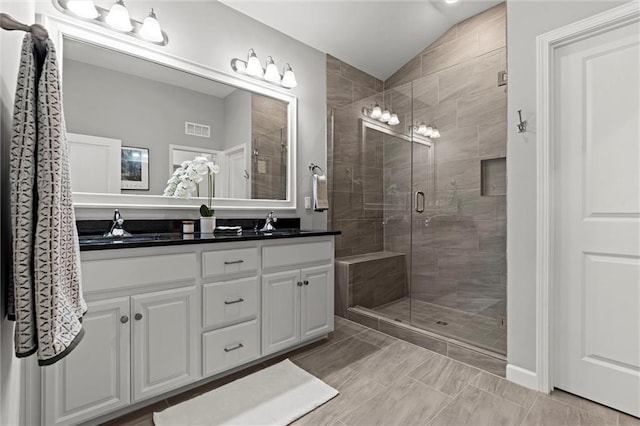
{"x": 144, "y": 240}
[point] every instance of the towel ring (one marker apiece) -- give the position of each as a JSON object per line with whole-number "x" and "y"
{"x": 313, "y": 167}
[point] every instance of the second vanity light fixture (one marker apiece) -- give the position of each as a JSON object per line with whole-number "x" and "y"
{"x": 116, "y": 18}
{"x": 383, "y": 116}
{"x": 428, "y": 131}
{"x": 270, "y": 73}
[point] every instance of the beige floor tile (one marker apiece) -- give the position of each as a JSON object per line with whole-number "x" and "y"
{"x": 344, "y": 329}
{"x": 404, "y": 402}
{"x": 505, "y": 389}
{"x": 608, "y": 414}
{"x": 376, "y": 338}
{"x": 327, "y": 363}
{"x": 547, "y": 411}
{"x": 141, "y": 417}
{"x": 354, "y": 391}
{"x": 394, "y": 361}
{"x": 477, "y": 407}
{"x": 444, "y": 374}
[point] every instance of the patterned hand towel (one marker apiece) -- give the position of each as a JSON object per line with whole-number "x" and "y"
{"x": 45, "y": 290}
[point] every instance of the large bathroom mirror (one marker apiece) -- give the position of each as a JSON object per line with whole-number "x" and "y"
{"x": 134, "y": 116}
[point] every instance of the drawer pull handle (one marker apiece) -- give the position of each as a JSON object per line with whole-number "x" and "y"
{"x": 305, "y": 282}
{"x": 233, "y": 301}
{"x": 124, "y": 319}
{"x": 138, "y": 317}
{"x": 233, "y": 348}
{"x": 299, "y": 283}
{"x": 233, "y": 262}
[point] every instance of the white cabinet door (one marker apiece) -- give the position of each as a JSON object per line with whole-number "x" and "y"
{"x": 94, "y": 378}
{"x": 316, "y": 301}
{"x": 281, "y": 310}
{"x": 164, "y": 341}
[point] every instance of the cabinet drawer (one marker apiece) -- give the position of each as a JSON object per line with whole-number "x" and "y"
{"x": 230, "y": 302}
{"x": 224, "y": 262}
{"x": 114, "y": 274}
{"x": 230, "y": 346}
{"x": 295, "y": 254}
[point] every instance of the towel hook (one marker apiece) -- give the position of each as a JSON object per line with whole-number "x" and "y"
{"x": 522, "y": 125}
{"x": 313, "y": 167}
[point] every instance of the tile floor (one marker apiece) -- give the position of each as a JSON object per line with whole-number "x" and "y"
{"x": 386, "y": 381}
{"x": 478, "y": 330}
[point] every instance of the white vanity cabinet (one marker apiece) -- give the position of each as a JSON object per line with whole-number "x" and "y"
{"x": 160, "y": 319}
{"x": 297, "y": 302}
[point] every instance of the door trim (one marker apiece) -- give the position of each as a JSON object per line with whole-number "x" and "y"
{"x": 547, "y": 44}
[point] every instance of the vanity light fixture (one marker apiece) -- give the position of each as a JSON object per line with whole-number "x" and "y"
{"x": 151, "y": 28}
{"x": 116, "y": 18}
{"x": 426, "y": 130}
{"x": 381, "y": 115}
{"x": 270, "y": 74}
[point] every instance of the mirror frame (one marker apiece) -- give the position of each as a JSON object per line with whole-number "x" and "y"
{"x": 61, "y": 27}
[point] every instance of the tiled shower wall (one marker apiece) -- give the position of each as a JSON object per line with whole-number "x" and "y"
{"x": 355, "y": 173}
{"x": 459, "y": 258}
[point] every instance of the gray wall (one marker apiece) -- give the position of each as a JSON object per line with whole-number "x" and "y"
{"x": 141, "y": 113}
{"x": 525, "y": 21}
{"x": 237, "y": 119}
{"x": 211, "y": 34}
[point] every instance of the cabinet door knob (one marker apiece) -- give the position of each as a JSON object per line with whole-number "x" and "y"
{"x": 306, "y": 282}
{"x": 299, "y": 283}
{"x": 124, "y": 319}
{"x": 138, "y": 317}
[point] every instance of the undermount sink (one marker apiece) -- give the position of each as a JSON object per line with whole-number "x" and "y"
{"x": 277, "y": 232}
{"x": 96, "y": 239}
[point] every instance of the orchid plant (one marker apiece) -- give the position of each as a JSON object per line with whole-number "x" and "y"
{"x": 185, "y": 179}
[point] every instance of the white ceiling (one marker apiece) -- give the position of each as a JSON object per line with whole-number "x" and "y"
{"x": 377, "y": 36}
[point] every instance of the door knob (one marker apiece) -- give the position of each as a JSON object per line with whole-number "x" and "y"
{"x": 305, "y": 282}
{"x": 124, "y": 319}
{"x": 138, "y": 317}
{"x": 299, "y": 284}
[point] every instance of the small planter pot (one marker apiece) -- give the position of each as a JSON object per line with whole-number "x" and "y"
{"x": 207, "y": 224}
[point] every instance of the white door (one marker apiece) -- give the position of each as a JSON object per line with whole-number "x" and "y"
{"x": 280, "y": 310}
{"x": 316, "y": 301}
{"x": 94, "y": 378}
{"x": 237, "y": 173}
{"x": 597, "y": 172}
{"x": 95, "y": 164}
{"x": 163, "y": 340}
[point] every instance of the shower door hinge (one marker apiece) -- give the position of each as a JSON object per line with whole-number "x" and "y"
{"x": 502, "y": 78}
{"x": 502, "y": 321}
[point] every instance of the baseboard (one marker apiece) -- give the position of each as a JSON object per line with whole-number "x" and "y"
{"x": 522, "y": 377}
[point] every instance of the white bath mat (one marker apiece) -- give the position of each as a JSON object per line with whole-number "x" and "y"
{"x": 277, "y": 395}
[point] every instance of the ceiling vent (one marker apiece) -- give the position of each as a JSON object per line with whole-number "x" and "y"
{"x": 195, "y": 129}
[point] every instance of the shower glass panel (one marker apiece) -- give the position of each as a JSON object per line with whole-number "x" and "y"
{"x": 420, "y": 242}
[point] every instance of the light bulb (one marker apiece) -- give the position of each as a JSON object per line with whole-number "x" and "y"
{"x": 289, "y": 78}
{"x": 435, "y": 134}
{"x": 386, "y": 115}
{"x": 451, "y": 1}
{"x": 376, "y": 112}
{"x": 428, "y": 131}
{"x": 253, "y": 65}
{"x": 393, "y": 120}
{"x": 151, "y": 28}
{"x": 271, "y": 74}
{"x": 118, "y": 17}
{"x": 83, "y": 8}
{"x": 422, "y": 129}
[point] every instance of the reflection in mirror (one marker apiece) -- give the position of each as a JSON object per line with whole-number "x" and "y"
{"x": 118, "y": 105}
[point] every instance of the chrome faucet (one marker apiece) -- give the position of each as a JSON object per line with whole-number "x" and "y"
{"x": 270, "y": 220}
{"x": 117, "y": 228}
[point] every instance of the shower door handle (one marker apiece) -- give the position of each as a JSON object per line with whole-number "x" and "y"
{"x": 419, "y": 202}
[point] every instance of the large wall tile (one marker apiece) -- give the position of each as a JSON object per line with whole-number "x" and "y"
{"x": 449, "y": 54}
{"x": 464, "y": 174}
{"x": 482, "y": 108}
{"x": 457, "y": 144}
{"x": 492, "y": 140}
